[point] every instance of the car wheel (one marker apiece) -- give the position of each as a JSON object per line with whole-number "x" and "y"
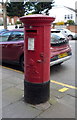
{"x": 70, "y": 37}
{"x": 22, "y": 63}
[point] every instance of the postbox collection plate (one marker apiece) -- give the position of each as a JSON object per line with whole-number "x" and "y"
{"x": 30, "y": 43}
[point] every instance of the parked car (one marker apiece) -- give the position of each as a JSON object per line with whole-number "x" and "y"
{"x": 12, "y": 43}
{"x": 60, "y": 48}
{"x": 57, "y": 36}
{"x": 3, "y": 30}
{"x": 68, "y": 33}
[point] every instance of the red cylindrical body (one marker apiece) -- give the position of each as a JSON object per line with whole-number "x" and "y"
{"x": 37, "y": 48}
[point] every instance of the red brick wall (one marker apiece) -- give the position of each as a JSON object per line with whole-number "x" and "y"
{"x": 15, "y": 19}
{"x": 72, "y": 28}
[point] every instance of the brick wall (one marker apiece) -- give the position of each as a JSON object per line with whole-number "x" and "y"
{"x": 14, "y": 19}
{"x": 72, "y": 28}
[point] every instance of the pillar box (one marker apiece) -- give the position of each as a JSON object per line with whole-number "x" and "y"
{"x": 37, "y": 58}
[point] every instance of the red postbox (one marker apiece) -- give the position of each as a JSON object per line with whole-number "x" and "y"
{"x": 37, "y": 58}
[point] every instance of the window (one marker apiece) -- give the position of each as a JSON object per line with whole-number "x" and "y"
{"x": 4, "y": 37}
{"x": 56, "y": 38}
{"x": 65, "y": 16}
{"x": 16, "y": 36}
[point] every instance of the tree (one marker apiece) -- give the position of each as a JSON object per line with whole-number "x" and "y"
{"x": 38, "y": 7}
{"x": 19, "y": 8}
{"x": 4, "y": 13}
{"x": 70, "y": 22}
{"x": 15, "y": 9}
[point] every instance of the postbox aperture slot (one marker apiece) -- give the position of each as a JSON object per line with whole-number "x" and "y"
{"x": 31, "y": 31}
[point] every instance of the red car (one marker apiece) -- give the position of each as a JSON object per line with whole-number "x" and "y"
{"x": 12, "y": 44}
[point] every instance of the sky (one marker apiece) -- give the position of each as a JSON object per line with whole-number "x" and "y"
{"x": 61, "y": 2}
{"x": 68, "y": 3}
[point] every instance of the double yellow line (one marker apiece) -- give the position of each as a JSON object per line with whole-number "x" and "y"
{"x": 11, "y": 69}
{"x": 65, "y": 86}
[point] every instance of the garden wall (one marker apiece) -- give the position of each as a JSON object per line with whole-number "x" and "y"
{"x": 72, "y": 28}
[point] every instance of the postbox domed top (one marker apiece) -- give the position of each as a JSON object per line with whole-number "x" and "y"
{"x": 36, "y": 18}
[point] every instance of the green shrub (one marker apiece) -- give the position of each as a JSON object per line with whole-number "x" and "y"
{"x": 70, "y": 22}
{"x": 18, "y": 22}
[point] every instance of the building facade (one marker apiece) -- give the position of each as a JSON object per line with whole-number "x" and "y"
{"x": 62, "y": 14}
{"x": 9, "y": 20}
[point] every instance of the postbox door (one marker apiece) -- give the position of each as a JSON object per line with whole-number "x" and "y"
{"x": 36, "y": 58}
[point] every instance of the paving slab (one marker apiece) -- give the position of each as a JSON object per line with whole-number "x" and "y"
{"x": 57, "y": 94}
{"x": 11, "y": 95}
{"x": 60, "y": 105}
{"x": 20, "y": 109}
{"x": 14, "y": 80}
{"x": 20, "y": 86}
{"x": 71, "y": 92}
{"x": 69, "y": 101}
{"x": 7, "y": 85}
{"x": 59, "y": 110}
{"x": 55, "y": 87}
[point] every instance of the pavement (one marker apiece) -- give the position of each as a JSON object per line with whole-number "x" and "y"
{"x": 60, "y": 104}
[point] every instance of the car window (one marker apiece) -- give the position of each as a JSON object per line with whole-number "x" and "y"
{"x": 55, "y": 38}
{"x": 16, "y": 36}
{"x": 4, "y": 37}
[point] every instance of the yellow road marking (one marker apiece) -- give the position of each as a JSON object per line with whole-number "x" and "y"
{"x": 62, "y": 84}
{"x": 12, "y": 69}
{"x": 63, "y": 89}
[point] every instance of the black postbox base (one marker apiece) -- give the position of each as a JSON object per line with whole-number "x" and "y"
{"x": 36, "y": 93}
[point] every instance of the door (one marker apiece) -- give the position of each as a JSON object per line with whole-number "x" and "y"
{"x": 11, "y": 48}
{"x": 3, "y": 44}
